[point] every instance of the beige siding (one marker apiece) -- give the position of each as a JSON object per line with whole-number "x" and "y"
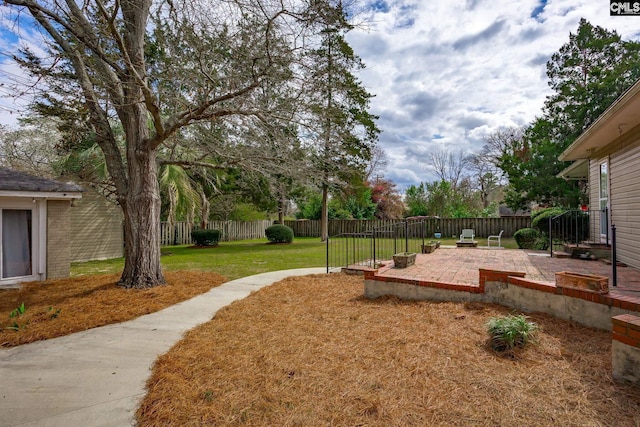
{"x": 58, "y": 231}
{"x": 97, "y": 228}
{"x": 625, "y": 199}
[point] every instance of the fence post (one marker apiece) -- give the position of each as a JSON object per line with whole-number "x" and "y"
{"x": 550, "y": 238}
{"x": 328, "y": 255}
{"x": 373, "y": 233}
{"x": 614, "y": 256}
{"x": 406, "y": 236}
{"x": 395, "y": 240}
{"x": 354, "y": 250}
{"x": 606, "y": 219}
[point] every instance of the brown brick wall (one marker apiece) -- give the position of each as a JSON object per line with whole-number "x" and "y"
{"x": 58, "y": 239}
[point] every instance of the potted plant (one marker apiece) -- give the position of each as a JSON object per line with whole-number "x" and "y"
{"x": 427, "y": 248}
{"x": 437, "y": 234}
{"x": 404, "y": 259}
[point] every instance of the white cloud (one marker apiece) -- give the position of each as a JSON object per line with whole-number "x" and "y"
{"x": 446, "y": 74}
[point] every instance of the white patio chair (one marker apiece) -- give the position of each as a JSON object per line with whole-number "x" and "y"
{"x": 495, "y": 239}
{"x": 467, "y": 234}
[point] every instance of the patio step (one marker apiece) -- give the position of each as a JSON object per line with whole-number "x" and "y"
{"x": 586, "y": 249}
{"x": 561, "y": 254}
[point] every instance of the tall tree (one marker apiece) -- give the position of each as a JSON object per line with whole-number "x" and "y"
{"x": 449, "y": 166}
{"x": 416, "y": 199}
{"x": 30, "y": 147}
{"x": 344, "y": 130}
{"x": 104, "y": 66}
{"x": 587, "y": 74}
{"x": 388, "y": 201}
{"x": 485, "y": 177}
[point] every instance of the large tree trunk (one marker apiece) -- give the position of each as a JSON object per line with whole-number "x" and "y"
{"x": 141, "y": 207}
{"x": 141, "y": 203}
{"x": 204, "y": 212}
{"x": 282, "y": 205}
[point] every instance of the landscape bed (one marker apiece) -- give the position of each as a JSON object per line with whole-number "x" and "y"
{"x": 60, "y": 307}
{"x": 314, "y": 351}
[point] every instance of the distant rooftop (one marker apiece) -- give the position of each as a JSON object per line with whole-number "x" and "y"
{"x": 12, "y": 180}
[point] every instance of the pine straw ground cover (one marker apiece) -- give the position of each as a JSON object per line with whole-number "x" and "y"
{"x": 312, "y": 351}
{"x": 60, "y": 307}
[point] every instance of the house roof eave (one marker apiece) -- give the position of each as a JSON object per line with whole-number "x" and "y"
{"x": 49, "y": 195}
{"x": 620, "y": 117}
{"x": 576, "y": 171}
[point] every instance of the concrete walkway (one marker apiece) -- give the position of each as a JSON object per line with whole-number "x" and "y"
{"x": 97, "y": 377}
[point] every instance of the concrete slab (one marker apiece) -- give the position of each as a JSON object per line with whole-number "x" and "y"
{"x": 96, "y": 378}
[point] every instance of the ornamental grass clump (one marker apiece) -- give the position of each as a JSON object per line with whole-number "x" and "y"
{"x": 509, "y": 333}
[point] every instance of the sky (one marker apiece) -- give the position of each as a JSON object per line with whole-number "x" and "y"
{"x": 445, "y": 73}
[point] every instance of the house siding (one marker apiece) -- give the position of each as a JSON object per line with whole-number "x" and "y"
{"x": 623, "y": 155}
{"x": 97, "y": 228}
{"x": 58, "y": 232}
{"x": 624, "y": 197}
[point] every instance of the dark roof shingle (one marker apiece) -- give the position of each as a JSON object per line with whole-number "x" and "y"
{"x": 12, "y": 180}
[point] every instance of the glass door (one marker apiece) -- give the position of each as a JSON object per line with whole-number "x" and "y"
{"x": 17, "y": 243}
{"x": 604, "y": 202}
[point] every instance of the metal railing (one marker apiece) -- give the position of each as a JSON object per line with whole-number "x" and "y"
{"x": 371, "y": 247}
{"x": 584, "y": 228}
{"x": 577, "y": 227}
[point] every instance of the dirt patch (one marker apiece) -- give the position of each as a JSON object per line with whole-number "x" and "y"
{"x": 60, "y": 307}
{"x": 312, "y": 351}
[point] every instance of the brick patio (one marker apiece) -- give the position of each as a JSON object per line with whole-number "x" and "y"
{"x": 461, "y": 266}
{"x": 525, "y": 280}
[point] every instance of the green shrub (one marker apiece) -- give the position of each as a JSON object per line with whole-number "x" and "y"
{"x": 526, "y": 238}
{"x": 279, "y": 233}
{"x": 510, "y": 332}
{"x": 206, "y": 237}
{"x": 542, "y": 242}
{"x": 540, "y": 218}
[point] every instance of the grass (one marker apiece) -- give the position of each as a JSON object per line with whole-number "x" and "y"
{"x": 238, "y": 259}
{"x": 312, "y": 351}
{"x": 90, "y": 298}
{"x": 43, "y": 310}
{"x": 230, "y": 259}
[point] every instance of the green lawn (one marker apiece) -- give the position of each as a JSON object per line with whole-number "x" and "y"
{"x": 231, "y": 259}
{"x": 240, "y": 259}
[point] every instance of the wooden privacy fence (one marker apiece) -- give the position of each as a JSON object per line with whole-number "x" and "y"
{"x": 243, "y": 230}
{"x": 230, "y": 231}
{"x": 449, "y": 227}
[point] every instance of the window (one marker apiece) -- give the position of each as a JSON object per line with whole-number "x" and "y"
{"x": 604, "y": 200}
